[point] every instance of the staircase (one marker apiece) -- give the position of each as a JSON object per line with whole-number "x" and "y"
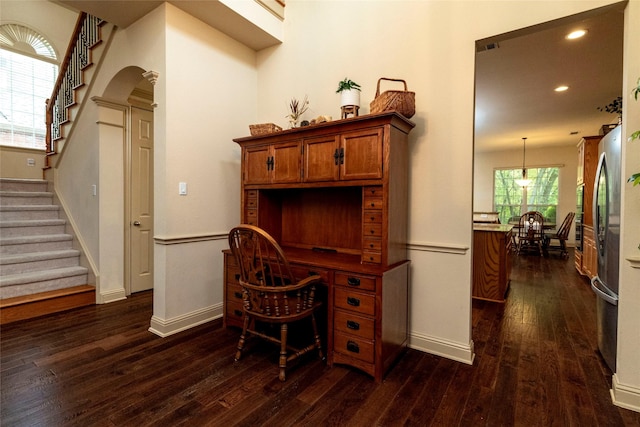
{"x": 40, "y": 272}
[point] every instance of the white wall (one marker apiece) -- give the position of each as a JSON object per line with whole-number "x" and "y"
{"x": 564, "y": 157}
{"x": 21, "y": 162}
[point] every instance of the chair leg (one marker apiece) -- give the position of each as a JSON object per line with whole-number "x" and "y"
{"x": 243, "y": 337}
{"x": 317, "y": 336}
{"x": 283, "y": 351}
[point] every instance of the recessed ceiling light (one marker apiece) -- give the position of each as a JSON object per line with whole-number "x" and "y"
{"x": 561, "y": 88}
{"x": 576, "y": 34}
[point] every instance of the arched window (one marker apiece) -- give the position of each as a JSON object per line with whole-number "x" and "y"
{"x": 28, "y": 71}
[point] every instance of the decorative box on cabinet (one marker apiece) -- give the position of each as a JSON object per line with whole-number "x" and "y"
{"x": 339, "y": 206}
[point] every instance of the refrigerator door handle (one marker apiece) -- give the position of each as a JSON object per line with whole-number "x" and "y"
{"x": 603, "y": 291}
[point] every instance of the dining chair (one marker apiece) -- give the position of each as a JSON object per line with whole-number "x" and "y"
{"x": 531, "y": 232}
{"x": 561, "y": 235}
{"x": 272, "y": 295}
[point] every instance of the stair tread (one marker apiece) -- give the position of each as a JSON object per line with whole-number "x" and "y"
{"x": 30, "y": 222}
{"x": 38, "y": 256}
{"x": 41, "y": 296}
{"x": 26, "y": 193}
{"x": 39, "y": 276}
{"x": 36, "y": 238}
{"x": 13, "y": 208}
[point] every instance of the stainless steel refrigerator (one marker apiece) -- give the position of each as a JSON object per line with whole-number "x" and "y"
{"x": 606, "y": 218}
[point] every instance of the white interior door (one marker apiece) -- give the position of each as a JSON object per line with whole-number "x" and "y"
{"x": 141, "y": 191}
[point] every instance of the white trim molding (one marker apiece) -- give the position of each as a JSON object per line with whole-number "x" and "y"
{"x": 164, "y": 328}
{"x": 448, "y": 248}
{"x": 624, "y": 396}
{"x": 176, "y": 240}
{"x": 439, "y": 347}
{"x": 634, "y": 261}
{"x": 111, "y": 295}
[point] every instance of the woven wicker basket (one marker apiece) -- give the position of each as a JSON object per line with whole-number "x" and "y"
{"x": 402, "y": 101}
{"x": 263, "y": 129}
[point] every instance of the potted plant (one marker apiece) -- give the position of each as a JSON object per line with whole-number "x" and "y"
{"x": 297, "y": 108}
{"x": 349, "y": 92}
{"x": 635, "y": 178}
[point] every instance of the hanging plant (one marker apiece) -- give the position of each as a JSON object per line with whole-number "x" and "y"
{"x": 615, "y": 107}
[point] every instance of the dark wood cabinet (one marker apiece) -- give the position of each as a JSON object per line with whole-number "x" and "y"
{"x": 586, "y": 258}
{"x": 491, "y": 261}
{"x": 338, "y": 208}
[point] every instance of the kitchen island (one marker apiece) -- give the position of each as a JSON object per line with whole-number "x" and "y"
{"x": 492, "y": 245}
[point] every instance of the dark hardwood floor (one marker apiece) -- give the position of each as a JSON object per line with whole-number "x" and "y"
{"x": 536, "y": 365}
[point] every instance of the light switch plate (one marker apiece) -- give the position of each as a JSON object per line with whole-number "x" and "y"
{"x": 182, "y": 188}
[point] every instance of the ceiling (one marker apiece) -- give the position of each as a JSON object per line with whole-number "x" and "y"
{"x": 515, "y": 77}
{"x": 212, "y": 12}
{"x": 516, "y": 74}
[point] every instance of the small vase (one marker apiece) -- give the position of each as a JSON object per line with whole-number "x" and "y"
{"x": 293, "y": 123}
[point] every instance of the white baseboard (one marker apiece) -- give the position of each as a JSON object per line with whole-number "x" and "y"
{"x": 112, "y": 295}
{"x": 166, "y": 327}
{"x": 624, "y": 396}
{"x": 439, "y": 347}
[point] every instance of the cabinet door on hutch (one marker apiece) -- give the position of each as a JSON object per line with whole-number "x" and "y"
{"x": 361, "y": 153}
{"x": 275, "y": 163}
{"x": 321, "y": 158}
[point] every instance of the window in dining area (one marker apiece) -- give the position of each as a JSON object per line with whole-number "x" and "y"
{"x": 511, "y": 200}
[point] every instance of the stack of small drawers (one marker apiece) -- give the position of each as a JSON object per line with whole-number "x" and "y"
{"x": 372, "y": 225}
{"x": 251, "y": 207}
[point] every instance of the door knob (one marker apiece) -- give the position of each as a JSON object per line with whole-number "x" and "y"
{"x": 136, "y": 223}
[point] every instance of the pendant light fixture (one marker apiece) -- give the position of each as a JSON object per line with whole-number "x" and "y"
{"x": 524, "y": 182}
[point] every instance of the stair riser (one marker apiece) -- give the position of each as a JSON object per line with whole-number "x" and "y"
{"x": 47, "y": 285}
{"x": 15, "y": 200}
{"x": 17, "y": 185}
{"x": 41, "y": 265}
{"x": 27, "y": 214}
{"x": 37, "y": 230}
{"x": 25, "y": 248}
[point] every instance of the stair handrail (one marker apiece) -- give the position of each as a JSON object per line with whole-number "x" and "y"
{"x": 85, "y": 35}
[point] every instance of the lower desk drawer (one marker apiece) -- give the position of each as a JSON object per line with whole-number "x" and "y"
{"x": 357, "y": 348}
{"x": 357, "y": 302}
{"x": 233, "y": 314}
{"x": 234, "y": 293}
{"x": 350, "y": 323}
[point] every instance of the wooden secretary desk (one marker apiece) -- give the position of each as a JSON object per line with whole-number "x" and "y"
{"x": 334, "y": 196}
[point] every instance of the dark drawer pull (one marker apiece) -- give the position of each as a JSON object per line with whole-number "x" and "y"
{"x": 353, "y": 325}
{"x": 237, "y": 277}
{"x": 353, "y": 347}
{"x": 373, "y": 218}
{"x": 237, "y": 294}
{"x": 237, "y": 313}
{"x": 372, "y": 204}
{"x": 353, "y": 301}
{"x": 373, "y": 231}
{"x": 353, "y": 281}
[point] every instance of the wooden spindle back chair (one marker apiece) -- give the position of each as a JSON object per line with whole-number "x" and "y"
{"x": 271, "y": 293}
{"x": 531, "y": 232}
{"x": 561, "y": 236}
